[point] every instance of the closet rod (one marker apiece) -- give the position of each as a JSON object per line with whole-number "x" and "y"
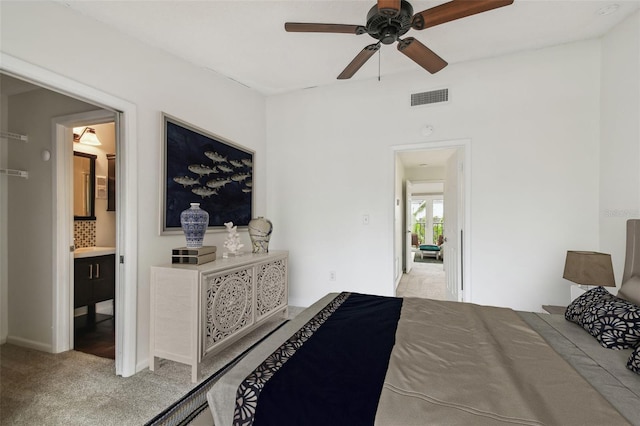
{"x": 17, "y": 136}
{"x": 12, "y": 172}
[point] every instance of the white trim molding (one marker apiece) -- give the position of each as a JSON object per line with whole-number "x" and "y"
{"x": 62, "y": 129}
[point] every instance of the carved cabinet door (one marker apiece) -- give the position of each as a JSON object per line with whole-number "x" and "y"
{"x": 271, "y": 287}
{"x": 228, "y": 304}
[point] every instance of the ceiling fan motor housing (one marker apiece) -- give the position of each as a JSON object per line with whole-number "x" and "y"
{"x": 387, "y": 28}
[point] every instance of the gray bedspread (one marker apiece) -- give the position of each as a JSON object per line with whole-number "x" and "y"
{"x": 465, "y": 364}
{"x": 459, "y": 363}
{"x": 605, "y": 369}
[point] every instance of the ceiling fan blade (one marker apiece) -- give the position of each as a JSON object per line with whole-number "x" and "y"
{"x": 301, "y": 27}
{"x": 389, "y": 7}
{"x": 453, "y": 10}
{"x": 359, "y": 61}
{"x": 421, "y": 55}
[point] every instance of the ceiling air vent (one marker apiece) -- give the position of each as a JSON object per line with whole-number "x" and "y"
{"x": 431, "y": 97}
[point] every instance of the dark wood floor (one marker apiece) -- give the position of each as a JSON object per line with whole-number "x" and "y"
{"x": 97, "y": 338}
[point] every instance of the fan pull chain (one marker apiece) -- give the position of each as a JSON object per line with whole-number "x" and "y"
{"x": 379, "y": 54}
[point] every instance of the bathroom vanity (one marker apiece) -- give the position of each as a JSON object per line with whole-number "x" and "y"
{"x": 94, "y": 277}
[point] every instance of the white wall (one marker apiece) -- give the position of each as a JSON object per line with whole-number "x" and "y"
{"x": 533, "y": 119}
{"x": 619, "y": 138}
{"x": 4, "y": 145}
{"x": 47, "y": 34}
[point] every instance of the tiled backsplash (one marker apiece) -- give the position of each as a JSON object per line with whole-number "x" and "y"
{"x": 84, "y": 233}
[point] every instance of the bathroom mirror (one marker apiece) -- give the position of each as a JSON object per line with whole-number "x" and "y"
{"x": 84, "y": 178}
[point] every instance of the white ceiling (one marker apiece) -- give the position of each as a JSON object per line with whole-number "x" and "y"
{"x": 246, "y": 40}
{"x": 425, "y": 158}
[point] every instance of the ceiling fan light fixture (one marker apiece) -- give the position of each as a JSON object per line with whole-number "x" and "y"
{"x": 389, "y": 35}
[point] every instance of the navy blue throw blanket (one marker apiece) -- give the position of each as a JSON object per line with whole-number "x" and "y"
{"x": 345, "y": 361}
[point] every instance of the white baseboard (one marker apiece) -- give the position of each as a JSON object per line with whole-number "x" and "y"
{"x": 31, "y": 344}
{"x": 142, "y": 365}
{"x": 395, "y": 287}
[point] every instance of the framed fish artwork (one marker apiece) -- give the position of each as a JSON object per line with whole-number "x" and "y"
{"x": 200, "y": 167}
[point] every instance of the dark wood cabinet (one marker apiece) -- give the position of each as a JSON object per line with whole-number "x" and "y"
{"x": 94, "y": 280}
{"x": 82, "y": 287}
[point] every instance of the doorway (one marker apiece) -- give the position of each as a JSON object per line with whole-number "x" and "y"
{"x": 126, "y": 216}
{"x": 92, "y": 281}
{"x": 84, "y": 201}
{"x": 424, "y": 275}
{"x": 447, "y": 163}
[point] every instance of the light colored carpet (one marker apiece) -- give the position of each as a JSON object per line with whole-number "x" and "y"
{"x": 426, "y": 280}
{"x": 74, "y": 388}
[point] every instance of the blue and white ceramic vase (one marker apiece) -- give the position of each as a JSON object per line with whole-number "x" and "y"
{"x": 194, "y": 223}
{"x": 260, "y": 232}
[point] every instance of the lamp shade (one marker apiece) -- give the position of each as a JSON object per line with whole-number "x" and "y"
{"x": 589, "y": 268}
{"x": 87, "y": 137}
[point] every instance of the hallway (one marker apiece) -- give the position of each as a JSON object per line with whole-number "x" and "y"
{"x": 426, "y": 280}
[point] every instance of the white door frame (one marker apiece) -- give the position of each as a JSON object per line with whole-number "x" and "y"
{"x": 408, "y": 261}
{"x": 464, "y": 145}
{"x": 126, "y": 215}
{"x": 63, "y": 216}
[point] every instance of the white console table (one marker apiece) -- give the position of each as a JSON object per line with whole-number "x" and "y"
{"x": 198, "y": 310}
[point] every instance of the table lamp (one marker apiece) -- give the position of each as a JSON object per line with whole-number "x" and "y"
{"x": 589, "y": 268}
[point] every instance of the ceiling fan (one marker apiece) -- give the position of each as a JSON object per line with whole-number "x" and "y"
{"x": 388, "y": 20}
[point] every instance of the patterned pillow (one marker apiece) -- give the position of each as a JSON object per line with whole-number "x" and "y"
{"x": 634, "y": 361}
{"x": 614, "y": 322}
{"x": 580, "y": 304}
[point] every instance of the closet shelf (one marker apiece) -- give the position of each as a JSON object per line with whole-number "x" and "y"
{"x": 12, "y": 172}
{"x": 15, "y": 136}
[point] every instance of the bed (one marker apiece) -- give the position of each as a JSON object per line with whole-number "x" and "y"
{"x": 448, "y": 362}
{"x": 358, "y": 359}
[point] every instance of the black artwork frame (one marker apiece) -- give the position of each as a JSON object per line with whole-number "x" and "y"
{"x": 200, "y": 167}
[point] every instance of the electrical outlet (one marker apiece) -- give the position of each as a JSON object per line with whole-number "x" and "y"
{"x": 332, "y": 275}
